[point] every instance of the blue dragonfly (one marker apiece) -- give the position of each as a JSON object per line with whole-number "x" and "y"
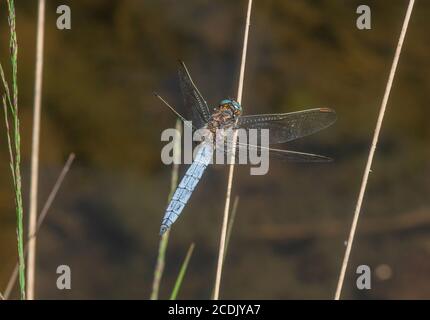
{"x": 283, "y": 127}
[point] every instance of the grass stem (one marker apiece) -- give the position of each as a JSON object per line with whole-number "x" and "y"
{"x": 10, "y": 102}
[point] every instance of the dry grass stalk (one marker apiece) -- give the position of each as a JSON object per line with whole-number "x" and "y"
{"x": 232, "y": 158}
{"x": 367, "y": 170}
{"x": 31, "y": 259}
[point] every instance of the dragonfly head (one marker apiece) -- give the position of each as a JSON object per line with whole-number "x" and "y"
{"x": 230, "y": 106}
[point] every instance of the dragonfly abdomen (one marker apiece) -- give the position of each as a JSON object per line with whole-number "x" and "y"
{"x": 186, "y": 186}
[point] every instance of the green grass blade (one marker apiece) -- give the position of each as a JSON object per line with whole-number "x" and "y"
{"x": 9, "y": 140}
{"x": 182, "y": 272}
{"x": 13, "y": 132}
{"x": 159, "y": 267}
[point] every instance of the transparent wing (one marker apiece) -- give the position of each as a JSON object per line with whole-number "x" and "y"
{"x": 286, "y": 127}
{"x": 197, "y": 108}
{"x": 243, "y": 152}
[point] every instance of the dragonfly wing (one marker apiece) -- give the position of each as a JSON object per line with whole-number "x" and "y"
{"x": 192, "y": 98}
{"x": 293, "y": 156}
{"x": 245, "y": 151}
{"x": 286, "y": 127}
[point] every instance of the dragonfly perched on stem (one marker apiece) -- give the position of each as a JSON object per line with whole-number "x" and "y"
{"x": 282, "y": 127}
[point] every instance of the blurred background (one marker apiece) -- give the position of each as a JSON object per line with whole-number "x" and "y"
{"x": 291, "y": 224}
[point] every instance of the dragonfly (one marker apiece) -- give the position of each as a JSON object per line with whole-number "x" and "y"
{"x": 282, "y": 128}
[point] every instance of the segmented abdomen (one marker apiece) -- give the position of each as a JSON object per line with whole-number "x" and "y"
{"x": 186, "y": 187}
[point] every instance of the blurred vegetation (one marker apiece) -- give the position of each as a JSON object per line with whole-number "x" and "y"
{"x": 288, "y": 238}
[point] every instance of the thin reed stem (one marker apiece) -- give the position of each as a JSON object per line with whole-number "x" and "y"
{"x": 232, "y": 158}
{"x": 31, "y": 259}
{"x": 40, "y": 220}
{"x": 159, "y": 267}
{"x": 229, "y": 230}
{"x": 230, "y": 224}
{"x": 367, "y": 170}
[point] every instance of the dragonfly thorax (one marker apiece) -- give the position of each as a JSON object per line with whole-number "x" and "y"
{"x": 225, "y": 114}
